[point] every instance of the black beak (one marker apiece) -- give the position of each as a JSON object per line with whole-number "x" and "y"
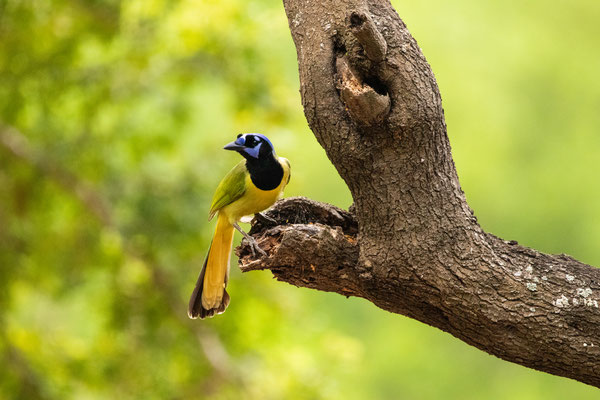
{"x": 233, "y": 146}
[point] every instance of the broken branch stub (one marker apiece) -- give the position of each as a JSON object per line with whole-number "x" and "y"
{"x": 371, "y": 40}
{"x": 420, "y": 250}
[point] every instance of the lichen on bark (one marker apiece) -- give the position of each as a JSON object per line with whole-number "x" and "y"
{"x": 412, "y": 245}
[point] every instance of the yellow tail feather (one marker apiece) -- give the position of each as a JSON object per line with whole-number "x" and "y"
{"x": 209, "y": 296}
{"x": 217, "y": 266}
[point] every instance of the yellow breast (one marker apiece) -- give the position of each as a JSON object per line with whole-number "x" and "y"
{"x": 255, "y": 200}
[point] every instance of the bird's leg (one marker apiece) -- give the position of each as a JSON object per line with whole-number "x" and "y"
{"x": 264, "y": 219}
{"x": 253, "y": 245}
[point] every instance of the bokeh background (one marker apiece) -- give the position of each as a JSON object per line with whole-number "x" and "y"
{"x": 112, "y": 119}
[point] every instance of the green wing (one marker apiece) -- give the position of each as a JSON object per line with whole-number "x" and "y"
{"x": 231, "y": 188}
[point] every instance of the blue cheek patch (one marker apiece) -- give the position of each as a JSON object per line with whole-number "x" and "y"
{"x": 266, "y": 139}
{"x": 253, "y": 152}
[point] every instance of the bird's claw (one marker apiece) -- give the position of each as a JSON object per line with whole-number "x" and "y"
{"x": 255, "y": 248}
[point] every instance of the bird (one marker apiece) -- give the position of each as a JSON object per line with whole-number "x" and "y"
{"x": 252, "y": 186}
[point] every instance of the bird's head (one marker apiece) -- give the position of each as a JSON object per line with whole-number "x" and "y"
{"x": 252, "y": 146}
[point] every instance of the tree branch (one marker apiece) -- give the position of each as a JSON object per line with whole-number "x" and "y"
{"x": 315, "y": 247}
{"x": 413, "y": 246}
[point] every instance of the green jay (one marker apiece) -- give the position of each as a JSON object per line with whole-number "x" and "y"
{"x": 252, "y": 186}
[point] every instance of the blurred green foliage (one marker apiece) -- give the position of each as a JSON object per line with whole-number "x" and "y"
{"x": 113, "y": 115}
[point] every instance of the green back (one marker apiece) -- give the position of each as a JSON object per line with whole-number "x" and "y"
{"x": 231, "y": 188}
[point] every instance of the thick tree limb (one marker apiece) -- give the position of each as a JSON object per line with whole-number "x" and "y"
{"x": 413, "y": 246}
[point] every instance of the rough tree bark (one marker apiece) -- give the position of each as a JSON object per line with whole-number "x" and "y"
{"x": 411, "y": 244}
